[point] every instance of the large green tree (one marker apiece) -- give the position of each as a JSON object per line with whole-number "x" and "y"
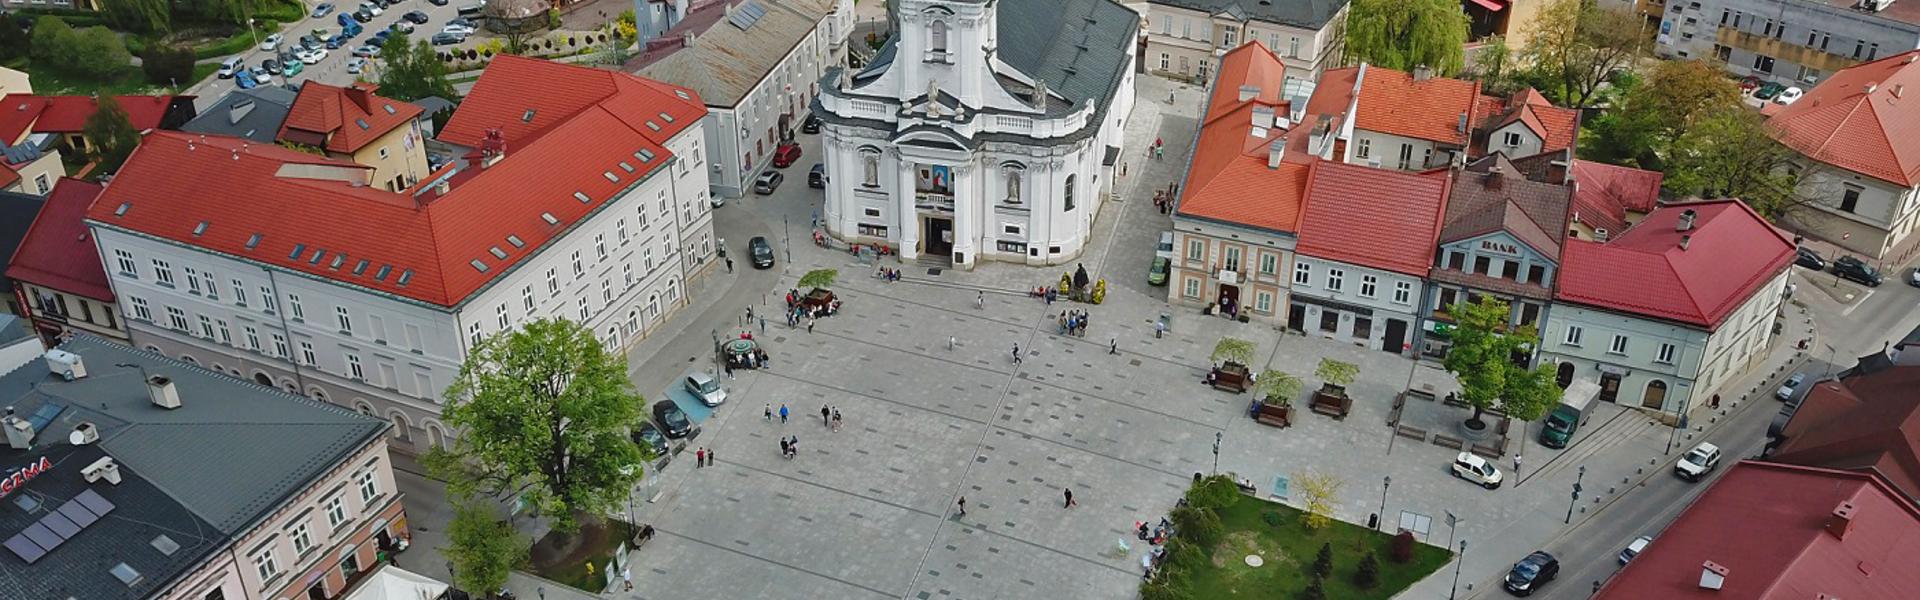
{"x": 110, "y": 135}
{"x": 139, "y": 15}
{"x": 1578, "y": 45}
{"x": 1403, "y": 34}
{"x": 1730, "y": 154}
{"x": 1482, "y": 360}
{"x": 545, "y": 412}
{"x": 412, "y": 70}
{"x": 52, "y": 39}
{"x": 1640, "y": 130}
{"x": 481, "y": 549}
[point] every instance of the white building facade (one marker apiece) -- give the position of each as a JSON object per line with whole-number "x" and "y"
{"x": 1373, "y": 308}
{"x": 982, "y": 131}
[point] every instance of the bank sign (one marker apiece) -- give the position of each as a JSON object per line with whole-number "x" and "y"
{"x": 19, "y": 478}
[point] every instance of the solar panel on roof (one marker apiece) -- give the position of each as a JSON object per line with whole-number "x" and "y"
{"x": 93, "y": 502}
{"x": 73, "y": 511}
{"x": 25, "y": 548}
{"x": 46, "y": 538}
{"x": 61, "y": 526}
{"x": 746, "y": 15}
{"x": 125, "y": 574}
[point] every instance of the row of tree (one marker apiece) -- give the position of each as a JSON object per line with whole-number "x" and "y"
{"x": 95, "y": 52}
{"x": 160, "y": 16}
{"x": 1576, "y": 47}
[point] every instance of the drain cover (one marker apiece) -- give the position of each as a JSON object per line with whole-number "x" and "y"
{"x": 934, "y": 271}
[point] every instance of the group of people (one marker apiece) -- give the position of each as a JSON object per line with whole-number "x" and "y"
{"x": 1044, "y": 293}
{"x": 887, "y": 274}
{"x": 830, "y": 417}
{"x": 1158, "y": 150}
{"x": 756, "y": 359}
{"x": 789, "y": 446}
{"x": 1074, "y": 322}
{"x": 1162, "y": 202}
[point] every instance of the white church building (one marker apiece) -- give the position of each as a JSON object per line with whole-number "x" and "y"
{"x": 983, "y": 130}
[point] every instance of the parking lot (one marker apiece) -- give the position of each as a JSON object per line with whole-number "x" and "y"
{"x": 332, "y": 69}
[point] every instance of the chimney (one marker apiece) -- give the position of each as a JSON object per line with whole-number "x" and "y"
{"x": 1712, "y": 576}
{"x": 160, "y": 391}
{"x": 1422, "y": 73}
{"x": 1871, "y": 86}
{"x": 1841, "y": 522}
{"x": 441, "y": 188}
{"x": 1557, "y": 171}
{"x": 361, "y": 95}
{"x": 1494, "y": 178}
{"x": 1248, "y": 92}
{"x": 67, "y": 365}
{"x": 492, "y": 148}
{"x": 1262, "y": 117}
{"x": 104, "y": 468}
{"x": 1600, "y": 234}
{"x": 1686, "y": 220}
{"x": 1276, "y": 150}
{"x": 1685, "y": 240}
{"x": 19, "y": 431}
{"x": 85, "y": 433}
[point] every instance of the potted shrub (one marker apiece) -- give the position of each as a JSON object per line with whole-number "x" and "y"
{"x": 1276, "y": 391}
{"x": 1331, "y": 399}
{"x": 1230, "y": 359}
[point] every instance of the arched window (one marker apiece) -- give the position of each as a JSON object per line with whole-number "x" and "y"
{"x": 1067, "y": 196}
{"x": 402, "y": 430}
{"x": 1656, "y": 396}
{"x": 262, "y": 379}
{"x": 633, "y": 321}
{"x": 613, "y": 338}
{"x": 937, "y": 37}
{"x": 363, "y": 407}
{"x": 653, "y": 308}
{"x": 436, "y": 436}
{"x": 870, "y": 166}
{"x": 1015, "y": 176}
{"x": 316, "y": 393}
{"x": 188, "y": 359}
{"x": 1565, "y": 375}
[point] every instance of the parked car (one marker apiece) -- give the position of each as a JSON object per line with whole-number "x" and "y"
{"x": 380, "y": 37}
{"x": 335, "y": 42}
{"x": 671, "y": 419}
{"x": 1789, "y": 96}
{"x": 372, "y": 8}
{"x": 1164, "y": 248}
{"x": 1913, "y": 276}
{"x": 448, "y": 39}
{"x": 817, "y": 176}
{"x": 262, "y": 76}
{"x": 243, "y": 79}
{"x": 437, "y": 2}
{"x": 1768, "y": 90}
{"x": 1698, "y": 462}
{"x": 1791, "y": 388}
{"x": 1157, "y": 273}
{"x": 785, "y": 154}
{"x": 1472, "y": 467}
{"x": 367, "y": 51}
{"x": 1749, "y": 83}
{"x": 322, "y": 9}
{"x": 272, "y": 65}
{"x": 356, "y": 65}
{"x": 345, "y": 19}
{"x": 272, "y": 43}
{"x": 1532, "y": 573}
{"x": 648, "y": 437}
{"x": 457, "y": 29}
{"x": 811, "y": 124}
{"x": 705, "y": 387}
{"x": 1806, "y": 257}
{"x": 1854, "y": 269}
{"x": 362, "y": 15}
{"x": 292, "y": 68}
{"x": 471, "y": 10}
{"x": 767, "y": 182}
{"x": 415, "y": 17}
{"x": 761, "y": 252}
{"x": 1635, "y": 548}
{"x": 463, "y": 22}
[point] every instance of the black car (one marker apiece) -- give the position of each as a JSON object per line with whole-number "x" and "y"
{"x": 817, "y": 176}
{"x": 417, "y": 17}
{"x": 272, "y": 65}
{"x": 648, "y": 437}
{"x": 362, "y": 15}
{"x": 811, "y": 125}
{"x": 1854, "y": 269}
{"x": 1806, "y": 257}
{"x": 1531, "y": 573}
{"x": 761, "y": 251}
{"x": 437, "y": 2}
{"x": 671, "y": 420}
{"x": 447, "y": 39}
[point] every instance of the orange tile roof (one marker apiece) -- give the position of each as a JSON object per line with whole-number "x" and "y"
{"x": 1382, "y": 218}
{"x": 1392, "y": 102}
{"x": 343, "y": 119}
{"x": 68, "y": 114}
{"x": 1227, "y": 177}
{"x": 421, "y": 247}
{"x": 523, "y": 97}
{"x": 1857, "y": 120}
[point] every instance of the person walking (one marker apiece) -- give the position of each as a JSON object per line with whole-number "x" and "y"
{"x": 769, "y": 413}
{"x": 1159, "y": 329}
{"x": 1113, "y": 346}
{"x": 728, "y": 365}
{"x": 763, "y": 324}
{"x": 785, "y": 450}
{"x": 826, "y": 416}
{"x": 836, "y": 418}
{"x": 793, "y": 445}
{"x": 1016, "y": 354}
{"x": 980, "y": 300}
{"x": 963, "y": 506}
{"x": 1516, "y": 464}
{"x": 950, "y": 342}
{"x": 729, "y": 265}
{"x": 783, "y": 413}
{"x": 809, "y": 325}
{"x": 711, "y": 454}
{"x": 700, "y": 458}
{"x": 1070, "y": 502}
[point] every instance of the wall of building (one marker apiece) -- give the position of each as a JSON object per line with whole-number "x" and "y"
{"x": 1181, "y": 42}
{"x": 1200, "y": 252}
{"x": 749, "y": 130}
{"x": 60, "y": 309}
{"x": 1364, "y": 147}
{"x": 1849, "y": 36}
{"x": 1184, "y": 36}
{"x": 1394, "y": 296}
{"x": 398, "y": 157}
{"x": 1882, "y": 217}
{"x": 38, "y": 177}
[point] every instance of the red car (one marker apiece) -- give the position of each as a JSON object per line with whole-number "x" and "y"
{"x": 785, "y": 155}
{"x": 1748, "y": 83}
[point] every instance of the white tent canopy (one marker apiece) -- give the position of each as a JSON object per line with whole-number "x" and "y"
{"x": 394, "y": 583}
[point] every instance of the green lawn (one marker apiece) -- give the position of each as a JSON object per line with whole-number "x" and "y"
{"x": 1289, "y": 550}
{"x": 592, "y": 544}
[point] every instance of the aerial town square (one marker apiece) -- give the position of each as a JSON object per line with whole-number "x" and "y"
{"x": 1157, "y": 299}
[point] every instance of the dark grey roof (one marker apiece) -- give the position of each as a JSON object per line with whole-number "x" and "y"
{"x": 1310, "y": 14}
{"x": 13, "y": 329}
{"x": 255, "y": 114}
{"x": 232, "y": 453}
{"x": 17, "y": 211}
{"x": 1080, "y": 48}
{"x": 432, "y": 105}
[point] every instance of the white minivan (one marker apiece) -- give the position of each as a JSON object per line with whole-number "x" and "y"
{"x": 1165, "y": 248}
{"x": 229, "y": 67}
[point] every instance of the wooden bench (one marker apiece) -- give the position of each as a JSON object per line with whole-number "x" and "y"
{"x": 1493, "y": 451}
{"x": 1411, "y": 432}
{"x": 1448, "y": 442}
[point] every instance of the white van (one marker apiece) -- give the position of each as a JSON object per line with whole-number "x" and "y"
{"x": 1165, "y": 249}
{"x": 229, "y": 67}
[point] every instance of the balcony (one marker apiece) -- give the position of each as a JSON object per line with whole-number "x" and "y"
{"x": 933, "y": 200}
{"x": 1783, "y": 50}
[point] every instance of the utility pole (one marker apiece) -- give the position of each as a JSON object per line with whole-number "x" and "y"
{"x": 1216, "y": 452}
{"x": 1456, "y": 570}
{"x": 1576, "y": 494}
{"x": 1385, "y": 482}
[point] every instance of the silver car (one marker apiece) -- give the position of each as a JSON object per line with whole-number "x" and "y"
{"x": 706, "y": 388}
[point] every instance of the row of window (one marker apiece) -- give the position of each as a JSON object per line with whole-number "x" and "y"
{"x": 202, "y": 283}
{"x": 1230, "y": 257}
{"x": 299, "y": 534}
{"x": 1508, "y": 268}
{"x": 1619, "y": 345}
{"x": 273, "y": 345}
{"x": 1777, "y": 29}
{"x": 1229, "y": 36}
{"x": 1336, "y": 281}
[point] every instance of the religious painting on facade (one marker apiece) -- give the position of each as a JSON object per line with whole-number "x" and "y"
{"x": 936, "y": 179}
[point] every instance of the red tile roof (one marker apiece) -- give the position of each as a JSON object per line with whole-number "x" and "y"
{"x": 1381, "y": 218}
{"x": 1868, "y": 422}
{"x": 1768, "y": 526}
{"x": 1841, "y": 123}
{"x": 1227, "y": 177}
{"x": 58, "y": 251}
{"x": 300, "y": 201}
{"x": 523, "y": 97}
{"x": 1732, "y": 253}
{"x": 68, "y": 114}
{"x": 1392, "y": 102}
{"x": 1606, "y": 193}
{"x": 341, "y": 119}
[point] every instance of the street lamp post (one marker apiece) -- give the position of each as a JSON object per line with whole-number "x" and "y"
{"x": 1456, "y": 570}
{"x": 1576, "y": 494}
{"x": 1385, "y": 482}
{"x": 1216, "y": 452}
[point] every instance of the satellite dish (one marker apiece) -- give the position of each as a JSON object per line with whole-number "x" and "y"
{"x": 77, "y": 438}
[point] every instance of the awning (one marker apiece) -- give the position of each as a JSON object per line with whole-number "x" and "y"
{"x": 392, "y": 583}
{"x": 1491, "y": 5}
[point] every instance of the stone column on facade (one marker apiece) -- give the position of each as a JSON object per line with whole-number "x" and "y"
{"x": 839, "y": 190}
{"x": 909, "y": 219}
{"x": 967, "y": 201}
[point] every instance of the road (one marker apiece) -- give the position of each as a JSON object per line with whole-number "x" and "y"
{"x": 331, "y": 70}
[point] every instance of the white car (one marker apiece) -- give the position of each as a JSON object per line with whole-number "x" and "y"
{"x": 272, "y": 43}
{"x": 1698, "y": 462}
{"x": 372, "y": 9}
{"x": 1471, "y": 467}
{"x": 1791, "y": 387}
{"x": 356, "y": 65}
{"x": 1635, "y": 548}
{"x": 311, "y": 56}
{"x": 1789, "y": 96}
{"x": 454, "y": 29}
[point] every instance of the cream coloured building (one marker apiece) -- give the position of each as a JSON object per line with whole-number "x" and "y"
{"x": 1185, "y": 38}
